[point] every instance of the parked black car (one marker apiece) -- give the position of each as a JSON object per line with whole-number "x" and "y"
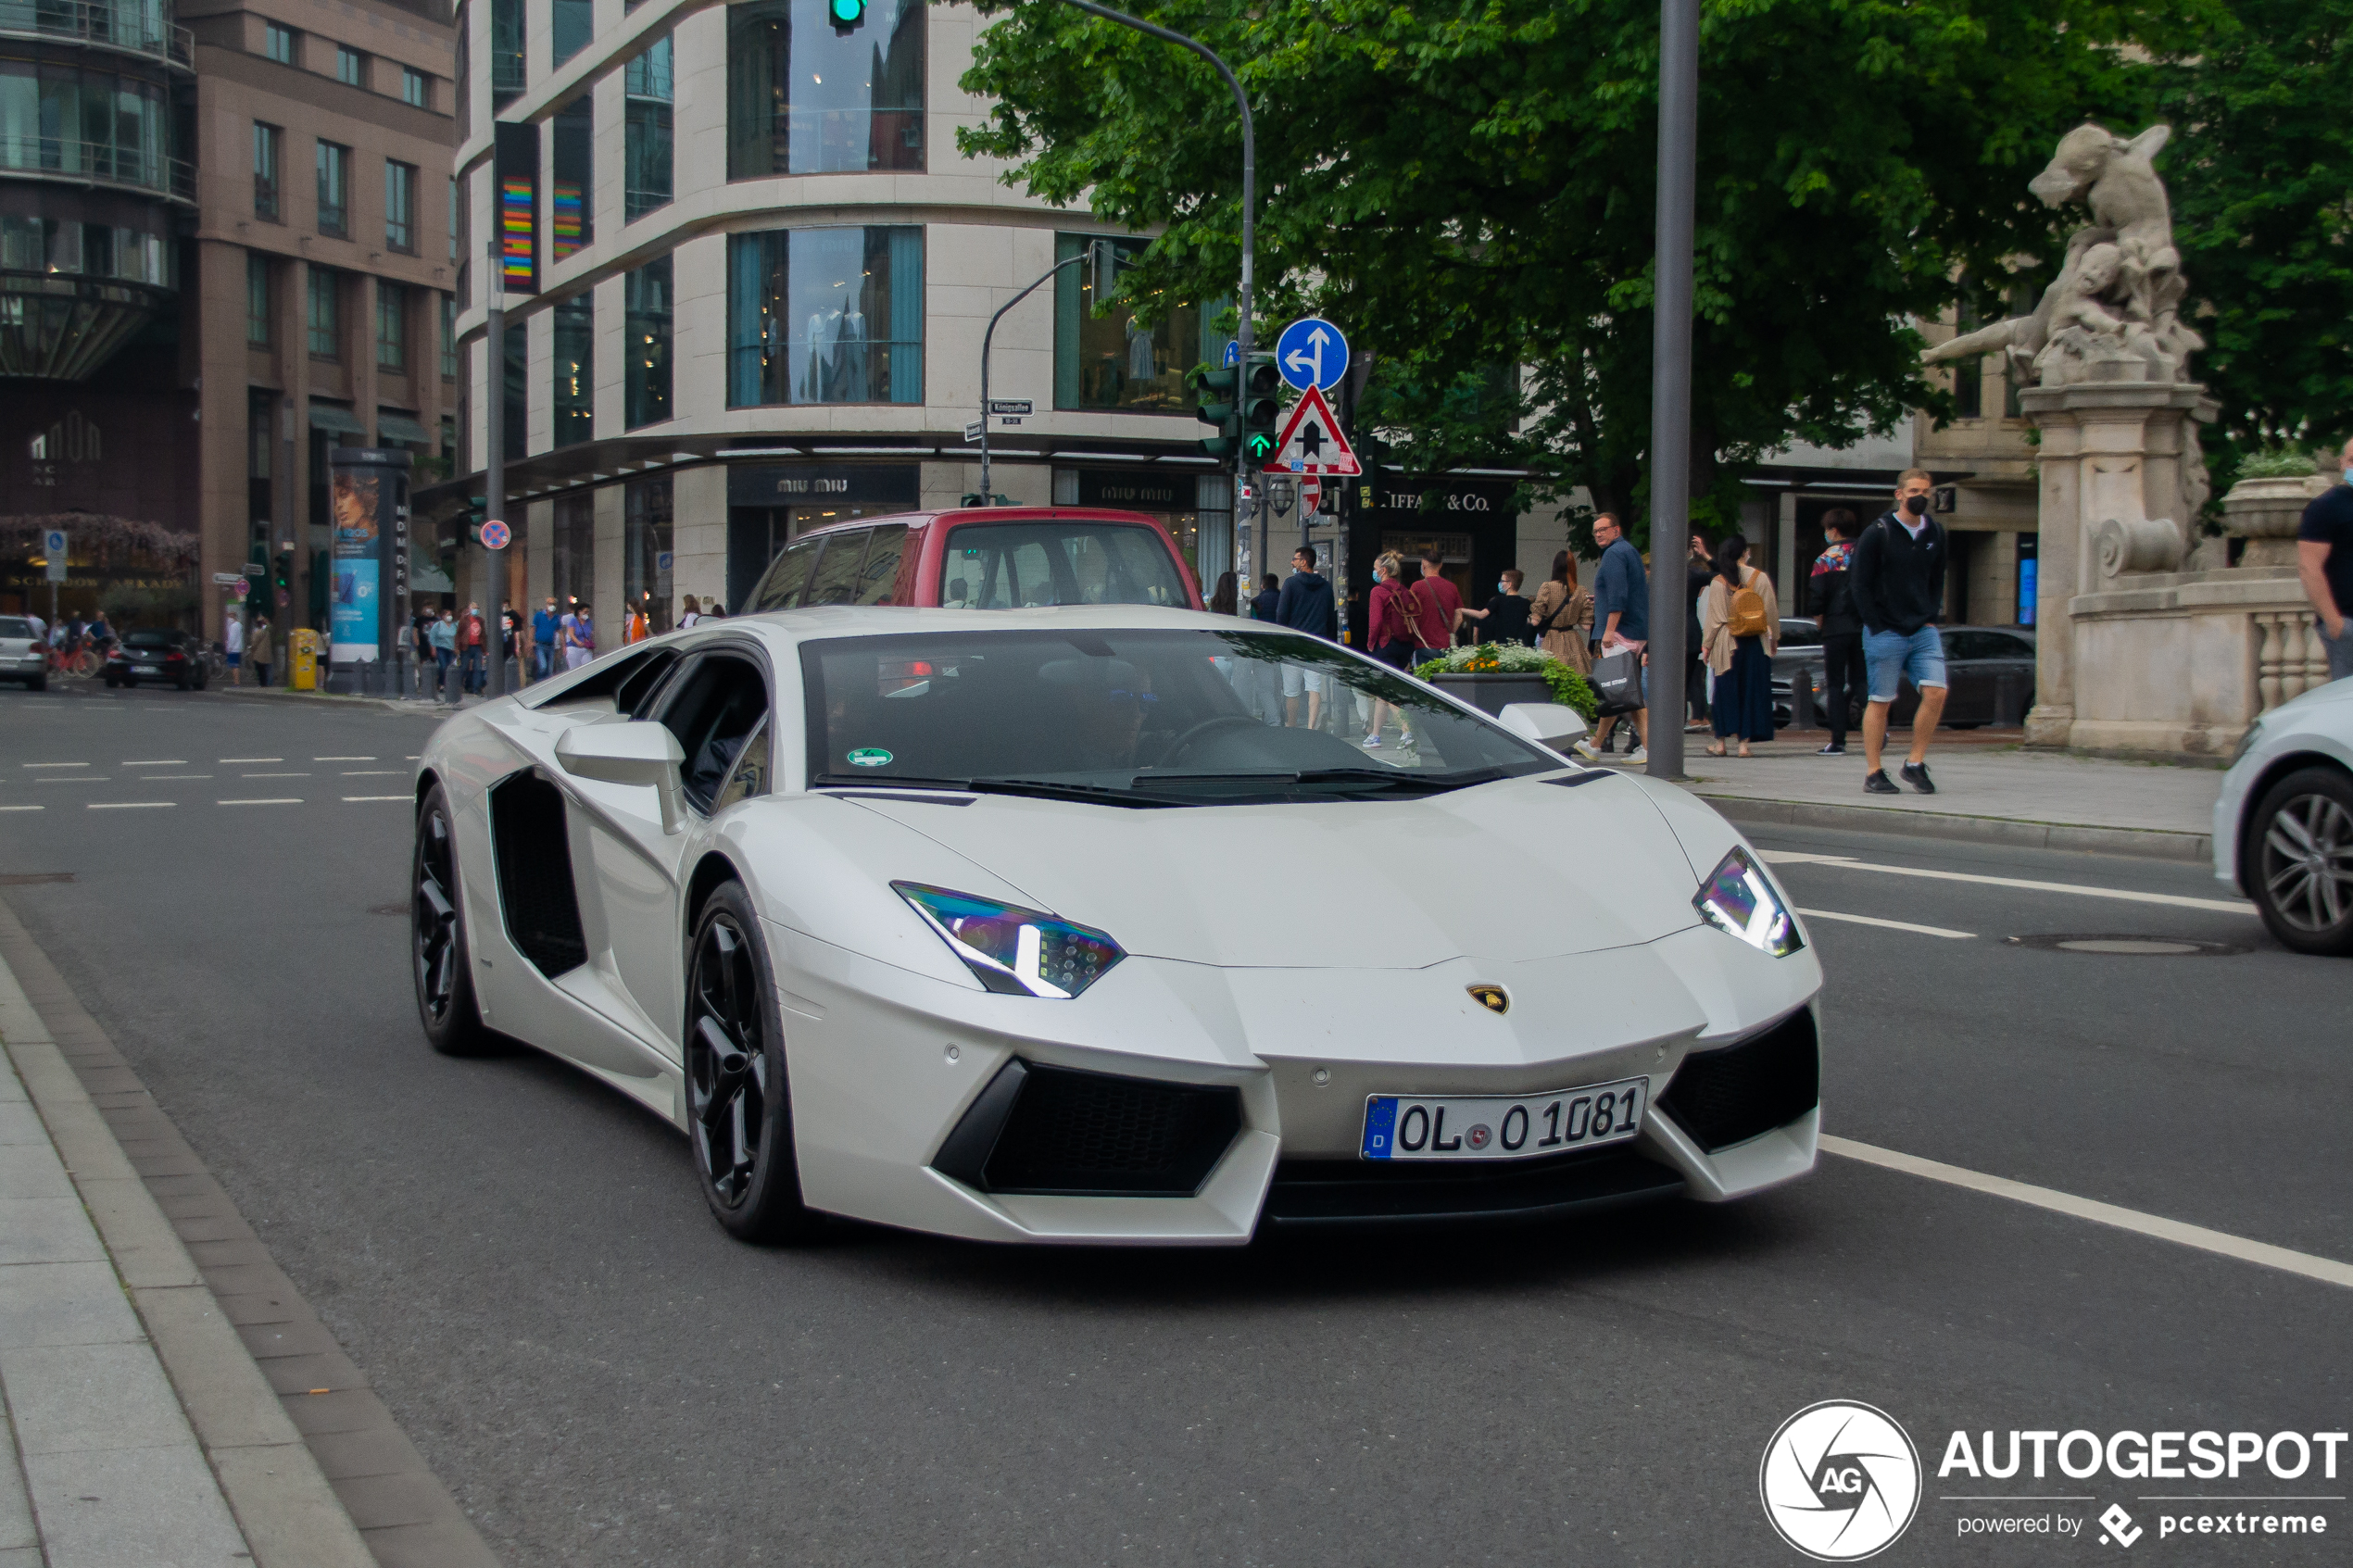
{"x": 157, "y": 657}
{"x": 1991, "y": 670}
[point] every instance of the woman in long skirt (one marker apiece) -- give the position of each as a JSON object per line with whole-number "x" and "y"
{"x": 1739, "y": 619}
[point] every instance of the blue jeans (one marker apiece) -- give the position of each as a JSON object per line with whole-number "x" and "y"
{"x": 1894, "y": 655}
{"x": 542, "y": 660}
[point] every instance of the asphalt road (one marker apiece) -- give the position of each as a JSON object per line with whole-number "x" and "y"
{"x": 520, "y": 1261}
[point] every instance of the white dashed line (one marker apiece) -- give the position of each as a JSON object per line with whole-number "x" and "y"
{"x": 2327, "y": 1269}
{"x": 57, "y": 764}
{"x": 302, "y": 775}
{"x": 23, "y": 807}
{"x": 375, "y": 797}
{"x": 279, "y": 801}
{"x": 169, "y": 778}
{"x": 1848, "y": 863}
{"x": 76, "y": 779}
{"x": 130, "y": 805}
{"x": 250, "y": 759}
{"x": 1890, "y": 925}
{"x": 342, "y": 760}
{"x": 369, "y": 772}
{"x": 157, "y": 762}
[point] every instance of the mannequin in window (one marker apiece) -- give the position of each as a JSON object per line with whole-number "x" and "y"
{"x": 1139, "y": 353}
{"x": 849, "y": 355}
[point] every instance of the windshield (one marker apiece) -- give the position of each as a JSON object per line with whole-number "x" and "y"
{"x": 152, "y": 640}
{"x": 1141, "y": 717}
{"x": 1058, "y": 561}
{"x": 12, "y": 627}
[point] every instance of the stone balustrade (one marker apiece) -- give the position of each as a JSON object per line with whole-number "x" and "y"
{"x": 2291, "y": 660}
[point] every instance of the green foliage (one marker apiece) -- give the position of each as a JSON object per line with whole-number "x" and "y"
{"x": 2277, "y": 462}
{"x": 129, "y": 608}
{"x": 2262, "y": 177}
{"x": 1469, "y": 183}
{"x": 1569, "y": 688}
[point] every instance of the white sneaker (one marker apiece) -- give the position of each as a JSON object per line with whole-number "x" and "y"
{"x": 1584, "y": 748}
{"x": 1639, "y": 753}
{"x": 1372, "y": 743}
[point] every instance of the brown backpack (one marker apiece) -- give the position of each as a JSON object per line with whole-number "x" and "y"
{"x": 1747, "y": 616}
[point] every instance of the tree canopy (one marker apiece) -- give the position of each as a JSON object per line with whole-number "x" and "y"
{"x": 1469, "y": 184}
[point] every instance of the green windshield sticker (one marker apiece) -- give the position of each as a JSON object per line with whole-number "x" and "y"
{"x": 870, "y": 757}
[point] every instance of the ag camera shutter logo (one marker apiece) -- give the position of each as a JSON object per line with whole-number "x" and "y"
{"x": 1839, "y": 1480}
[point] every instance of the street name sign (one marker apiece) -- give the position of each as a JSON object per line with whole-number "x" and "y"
{"x": 973, "y": 431}
{"x": 1311, "y": 442}
{"x": 1312, "y": 353}
{"x": 229, "y": 580}
{"x": 1009, "y": 406}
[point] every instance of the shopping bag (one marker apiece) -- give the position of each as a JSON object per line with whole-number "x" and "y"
{"x": 1617, "y": 681}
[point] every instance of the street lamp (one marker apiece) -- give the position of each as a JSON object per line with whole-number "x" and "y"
{"x": 493, "y": 475}
{"x": 1671, "y": 374}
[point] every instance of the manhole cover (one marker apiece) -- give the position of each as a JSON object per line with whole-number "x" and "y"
{"x": 26, "y": 879}
{"x": 2125, "y": 945}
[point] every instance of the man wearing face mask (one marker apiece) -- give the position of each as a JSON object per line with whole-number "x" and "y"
{"x": 2324, "y": 562}
{"x": 1897, "y": 580}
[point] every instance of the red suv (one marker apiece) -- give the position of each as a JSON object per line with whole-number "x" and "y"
{"x": 999, "y": 558}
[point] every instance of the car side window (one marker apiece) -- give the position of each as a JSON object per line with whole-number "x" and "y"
{"x": 836, "y": 582}
{"x": 877, "y": 578}
{"x": 780, "y": 589}
{"x": 750, "y": 774}
{"x": 2007, "y": 647}
{"x": 1965, "y": 644}
{"x": 713, "y": 708}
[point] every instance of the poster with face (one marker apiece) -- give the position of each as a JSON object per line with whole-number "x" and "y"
{"x": 367, "y": 490}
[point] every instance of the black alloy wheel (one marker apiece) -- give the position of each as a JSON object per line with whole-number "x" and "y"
{"x": 2302, "y": 846}
{"x": 437, "y": 938}
{"x": 738, "y": 1110}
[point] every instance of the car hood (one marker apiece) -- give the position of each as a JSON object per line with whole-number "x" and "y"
{"x": 1511, "y": 871}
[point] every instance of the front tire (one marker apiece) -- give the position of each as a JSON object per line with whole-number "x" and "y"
{"x": 2301, "y": 842}
{"x": 738, "y": 1108}
{"x": 437, "y": 954}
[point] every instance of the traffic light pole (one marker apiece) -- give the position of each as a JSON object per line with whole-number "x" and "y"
{"x": 1671, "y": 379}
{"x": 1250, "y": 198}
{"x": 494, "y": 466}
{"x": 987, "y": 495}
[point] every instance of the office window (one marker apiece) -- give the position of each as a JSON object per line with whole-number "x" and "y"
{"x": 644, "y": 380}
{"x": 269, "y": 144}
{"x": 400, "y": 206}
{"x": 326, "y": 316}
{"x": 575, "y": 333}
{"x": 646, "y": 556}
{"x": 515, "y": 391}
{"x": 825, "y": 316}
{"x": 646, "y": 156}
{"x": 416, "y": 88}
{"x": 803, "y": 98}
{"x": 278, "y": 43}
{"x": 1116, "y": 362}
{"x": 334, "y": 191}
{"x": 351, "y": 67}
{"x": 392, "y": 326}
{"x": 572, "y": 177}
{"x": 507, "y": 64}
{"x": 570, "y": 26}
{"x": 448, "y": 338}
{"x": 256, "y": 299}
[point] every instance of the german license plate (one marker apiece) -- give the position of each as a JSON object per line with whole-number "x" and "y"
{"x": 150, "y": 669}
{"x": 1503, "y": 1126}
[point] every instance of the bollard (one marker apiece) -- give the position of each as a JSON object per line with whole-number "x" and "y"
{"x": 1800, "y": 699}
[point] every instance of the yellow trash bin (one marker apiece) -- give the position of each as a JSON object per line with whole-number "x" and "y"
{"x": 302, "y": 652}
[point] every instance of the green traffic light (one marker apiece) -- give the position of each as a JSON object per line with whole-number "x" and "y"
{"x": 845, "y": 13}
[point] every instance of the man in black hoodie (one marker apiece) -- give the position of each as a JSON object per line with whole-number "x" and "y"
{"x": 1305, "y": 604}
{"x": 1897, "y": 579}
{"x": 1843, "y": 676}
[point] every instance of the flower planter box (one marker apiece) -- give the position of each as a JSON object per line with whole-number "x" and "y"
{"x": 1490, "y": 692}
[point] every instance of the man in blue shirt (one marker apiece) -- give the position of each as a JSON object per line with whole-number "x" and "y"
{"x": 1622, "y": 614}
{"x": 1305, "y": 604}
{"x": 543, "y": 641}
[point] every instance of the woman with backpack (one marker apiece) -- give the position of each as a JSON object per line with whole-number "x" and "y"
{"x": 1396, "y": 610}
{"x": 1739, "y": 622}
{"x": 1562, "y": 617}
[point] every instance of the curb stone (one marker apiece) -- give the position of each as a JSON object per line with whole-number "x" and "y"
{"x": 283, "y": 1460}
{"x": 2161, "y": 844}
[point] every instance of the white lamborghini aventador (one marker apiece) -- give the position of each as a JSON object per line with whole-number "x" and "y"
{"x": 1030, "y": 926}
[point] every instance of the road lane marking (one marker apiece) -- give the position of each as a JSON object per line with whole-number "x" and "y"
{"x": 77, "y": 778}
{"x": 1890, "y": 925}
{"x": 2326, "y": 1269}
{"x": 279, "y": 801}
{"x": 165, "y": 778}
{"x": 342, "y": 760}
{"x": 371, "y": 772}
{"x": 250, "y": 759}
{"x": 375, "y": 797}
{"x": 301, "y": 775}
{"x": 157, "y": 762}
{"x": 130, "y": 805}
{"x": 57, "y": 764}
{"x": 1848, "y": 863}
{"x": 23, "y": 807}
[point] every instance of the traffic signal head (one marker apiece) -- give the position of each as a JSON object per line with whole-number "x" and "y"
{"x": 1220, "y": 406}
{"x": 845, "y": 14}
{"x": 1260, "y": 412}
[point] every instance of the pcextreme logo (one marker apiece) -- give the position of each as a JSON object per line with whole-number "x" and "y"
{"x": 1839, "y": 1480}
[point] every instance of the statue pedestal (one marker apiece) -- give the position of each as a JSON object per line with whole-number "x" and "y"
{"x": 2121, "y": 485}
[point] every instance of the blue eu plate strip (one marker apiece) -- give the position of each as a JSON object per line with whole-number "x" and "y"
{"x": 1380, "y": 1126}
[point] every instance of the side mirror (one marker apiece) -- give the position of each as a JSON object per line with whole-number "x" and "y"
{"x": 636, "y": 752}
{"x": 1546, "y": 723}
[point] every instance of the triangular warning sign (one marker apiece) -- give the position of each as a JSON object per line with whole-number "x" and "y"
{"x": 1311, "y": 442}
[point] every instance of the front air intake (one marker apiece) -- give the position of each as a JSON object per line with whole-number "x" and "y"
{"x": 1739, "y": 1092}
{"x": 1055, "y": 1130}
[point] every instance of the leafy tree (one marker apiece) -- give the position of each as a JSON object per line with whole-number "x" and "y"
{"x": 1467, "y": 184}
{"x": 2261, "y": 175}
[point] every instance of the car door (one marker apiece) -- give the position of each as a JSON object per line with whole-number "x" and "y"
{"x": 717, "y": 707}
{"x": 1969, "y": 696}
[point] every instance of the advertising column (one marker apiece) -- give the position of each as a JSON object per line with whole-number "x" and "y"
{"x": 368, "y": 498}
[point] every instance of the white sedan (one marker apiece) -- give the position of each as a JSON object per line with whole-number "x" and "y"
{"x": 1030, "y": 926}
{"x": 2283, "y": 824}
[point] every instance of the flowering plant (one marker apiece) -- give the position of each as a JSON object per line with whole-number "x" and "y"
{"x": 1569, "y": 688}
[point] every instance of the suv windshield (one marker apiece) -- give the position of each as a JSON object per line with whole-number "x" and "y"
{"x": 1138, "y": 718}
{"x": 1058, "y": 561}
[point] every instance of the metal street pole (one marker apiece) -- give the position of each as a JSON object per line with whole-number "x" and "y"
{"x": 494, "y": 467}
{"x": 1671, "y": 378}
{"x": 987, "y": 338}
{"x": 1250, "y": 208}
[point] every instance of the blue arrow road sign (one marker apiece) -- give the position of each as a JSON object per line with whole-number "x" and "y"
{"x": 1234, "y": 352}
{"x": 1311, "y": 353}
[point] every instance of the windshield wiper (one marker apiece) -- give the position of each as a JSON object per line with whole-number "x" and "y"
{"x": 1407, "y": 778}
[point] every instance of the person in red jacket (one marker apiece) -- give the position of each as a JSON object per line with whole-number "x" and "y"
{"x": 1392, "y": 637}
{"x": 470, "y": 634}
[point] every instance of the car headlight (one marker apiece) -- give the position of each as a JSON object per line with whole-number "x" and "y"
{"x": 1737, "y": 898}
{"x": 1018, "y": 952}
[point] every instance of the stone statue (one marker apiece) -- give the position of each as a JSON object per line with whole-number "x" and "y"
{"x": 2114, "y": 313}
